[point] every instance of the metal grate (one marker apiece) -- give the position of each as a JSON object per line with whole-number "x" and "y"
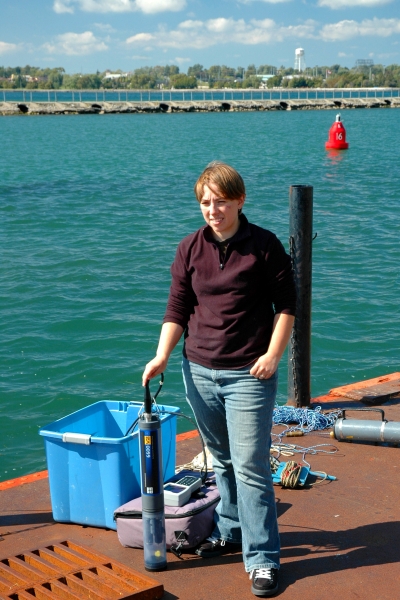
{"x": 69, "y": 571}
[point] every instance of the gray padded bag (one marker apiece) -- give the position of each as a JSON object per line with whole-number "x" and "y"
{"x": 186, "y": 526}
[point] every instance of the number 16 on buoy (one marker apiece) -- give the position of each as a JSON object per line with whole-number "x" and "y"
{"x": 337, "y": 136}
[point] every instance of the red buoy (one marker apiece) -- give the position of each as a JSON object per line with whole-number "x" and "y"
{"x": 337, "y": 136}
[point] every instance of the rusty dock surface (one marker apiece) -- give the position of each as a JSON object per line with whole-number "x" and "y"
{"x": 340, "y": 539}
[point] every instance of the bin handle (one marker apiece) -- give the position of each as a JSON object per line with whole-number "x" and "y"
{"x": 76, "y": 438}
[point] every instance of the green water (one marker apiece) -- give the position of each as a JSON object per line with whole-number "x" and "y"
{"x": 92, "y": 208}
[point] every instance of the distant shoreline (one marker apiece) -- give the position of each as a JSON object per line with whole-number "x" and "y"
{"x": 76, "y": 108}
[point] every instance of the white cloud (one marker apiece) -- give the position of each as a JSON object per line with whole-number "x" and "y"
{"x": 389, "y": 56}
{"x": 346, "y": 30}
{"x": 105, "y": 27}
{"x": 180, "y": 60}
{"x": 62, "y": 6}
{"x": 5, "y": 47}
{"x": 155, "y": 6}
{"x": 267, "y": 31}
{"x": 191, "y": 24}
{"x": 75, "y": 44}
{"x": 266, "y": 1}
{"x": 203, "y": 34}
{"x": 118, "y": 6}
{"x": 140, "y": 38}
{"x": 336, "y": 4}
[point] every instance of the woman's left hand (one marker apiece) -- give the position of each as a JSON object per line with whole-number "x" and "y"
{"x": 268, "y": 363}
{"x": 265, "y": 367}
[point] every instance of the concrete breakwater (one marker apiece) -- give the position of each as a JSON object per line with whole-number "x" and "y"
{"x": 75, "y": 108}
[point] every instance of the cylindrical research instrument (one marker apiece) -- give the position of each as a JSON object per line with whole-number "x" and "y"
{"x": 366, "y": 430}
{"x": 152, "y": 486}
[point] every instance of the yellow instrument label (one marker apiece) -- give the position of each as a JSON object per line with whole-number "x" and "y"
{"x": 147, "y": 439}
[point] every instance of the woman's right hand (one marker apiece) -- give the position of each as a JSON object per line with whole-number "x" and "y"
{"x": 170, "y": 336}
{"x": 154, "y": 368}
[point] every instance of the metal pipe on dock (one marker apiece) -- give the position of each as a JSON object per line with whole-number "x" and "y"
{"x": 300, "y": 238}
{"x": 367, "y": 430}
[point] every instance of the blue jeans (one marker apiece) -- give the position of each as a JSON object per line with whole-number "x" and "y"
{"x": 233, "y": 410}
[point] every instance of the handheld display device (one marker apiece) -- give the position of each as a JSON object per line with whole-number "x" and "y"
{"x": 178, "y": 492}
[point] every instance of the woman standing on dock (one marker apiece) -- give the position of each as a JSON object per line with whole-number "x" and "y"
{"x": 233, "y": 296}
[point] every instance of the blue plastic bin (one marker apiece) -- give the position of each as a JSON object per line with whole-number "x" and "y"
{"x": 93, "y": 466}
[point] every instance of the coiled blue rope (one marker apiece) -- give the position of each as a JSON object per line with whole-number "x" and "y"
{"x": 303, "y": 419}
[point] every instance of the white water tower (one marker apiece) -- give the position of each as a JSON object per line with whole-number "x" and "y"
{"x": 299, "y": 60}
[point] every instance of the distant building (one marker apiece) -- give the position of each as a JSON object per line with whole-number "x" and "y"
{"x": 364, "y": 62}
{"x": 109, "y": 75}
{"x": 265, "y": 77}
{"x": 299, "y": 60}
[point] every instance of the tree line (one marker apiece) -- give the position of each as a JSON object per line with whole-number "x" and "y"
{"x": 217, "y": 76}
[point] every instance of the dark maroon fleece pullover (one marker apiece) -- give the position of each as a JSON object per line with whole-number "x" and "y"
{"x": 227, "y": 309}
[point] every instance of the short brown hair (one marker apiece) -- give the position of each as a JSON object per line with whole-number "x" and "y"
{"x": 228, "y": 181}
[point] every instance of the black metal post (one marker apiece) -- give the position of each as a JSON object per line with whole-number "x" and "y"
{"x": 300, "y": 238}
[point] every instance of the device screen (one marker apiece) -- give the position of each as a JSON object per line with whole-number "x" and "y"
{"x": 175, "y": 489}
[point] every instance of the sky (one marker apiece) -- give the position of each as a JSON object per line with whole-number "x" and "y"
{"x": 85, "y": 36}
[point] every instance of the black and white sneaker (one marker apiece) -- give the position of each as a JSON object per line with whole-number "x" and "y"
{"x": 212, "y": 547}
{"x": 264, "y": 582}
